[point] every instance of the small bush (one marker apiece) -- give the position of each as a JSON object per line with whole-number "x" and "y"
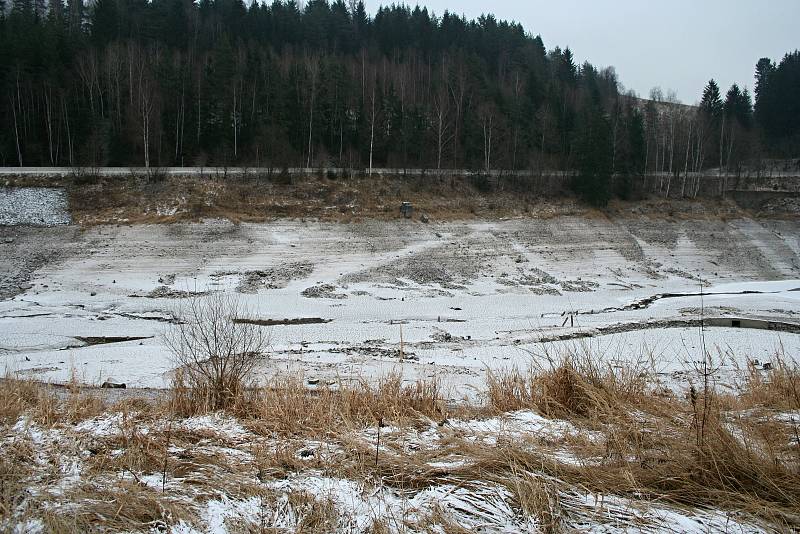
{"x": 86, "y": 176}
{"x": 214, "y": 352}
{"x": 481, "y": 182}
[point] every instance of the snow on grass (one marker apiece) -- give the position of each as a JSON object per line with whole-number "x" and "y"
{"x": 103, "y": 426}
{"x": 356, "y": 504}
{"x": 481, "y": 506}
{"x": 515, "y": 425}
{"x": 223, "y": 425}
{"x": 609, "y": 513}
{"x": 217, "y": 514}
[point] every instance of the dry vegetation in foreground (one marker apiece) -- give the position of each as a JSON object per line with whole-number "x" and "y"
{"x": 574, "y": 445}
{"x": 562, "y": 448}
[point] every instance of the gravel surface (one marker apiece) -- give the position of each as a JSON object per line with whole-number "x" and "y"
{"x": 33, "y": 206}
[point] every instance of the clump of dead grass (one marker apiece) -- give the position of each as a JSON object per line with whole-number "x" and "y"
{"x": 124, "y": 506}
{"x": 778, "y": 388}
{"x": 17, "y": 397}
{"x": 575, "y": 385}
{"x": 683, "y": 451}
{"x": 44, "y": 404}
{"x": 538, "y": 498}
{"x": 314, "y": 515}
{"x": 15, "y": 469}
{"x": 286, "y": 406}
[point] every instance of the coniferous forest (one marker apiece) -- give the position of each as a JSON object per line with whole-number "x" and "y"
{"x": 215, "y": 82}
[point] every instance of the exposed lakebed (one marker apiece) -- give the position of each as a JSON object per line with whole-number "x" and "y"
{"x": 451, "y": 300}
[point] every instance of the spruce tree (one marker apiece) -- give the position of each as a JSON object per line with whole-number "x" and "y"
{"x": 75, "y": 16}
{"x": 765, "y": 68}
{"x": 711, "y": 104}
{"x": 593, "y": 182}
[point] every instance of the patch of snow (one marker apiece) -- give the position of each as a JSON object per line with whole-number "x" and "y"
{"x": 106, "y": 425}
{"x": 519, "y": 424}
{"x": 219, "y": 423}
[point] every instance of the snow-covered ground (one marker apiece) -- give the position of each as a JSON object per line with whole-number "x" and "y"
{"x": 458, "y": 297}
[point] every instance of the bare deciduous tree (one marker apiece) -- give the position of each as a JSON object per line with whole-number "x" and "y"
{"x": 215, "y": 350}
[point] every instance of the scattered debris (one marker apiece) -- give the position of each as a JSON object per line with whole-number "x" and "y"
{"x": 165, "y": 292}
{"x": 283, "y": 322}
{"x": 272, "y": 278}
{"x": 107, "y": 340}
{"x": 407, "y": 210}
{"x": 323, "y": 291}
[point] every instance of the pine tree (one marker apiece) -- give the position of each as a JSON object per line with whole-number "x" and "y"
{"x": 23, "y": 9}
{"x": 221, "y": 81}
{"x": 75, "y": 16}
{"x": 593, "y": 183}
{"x": 711, "y": 104}
{"x": 765, "y": 68}
{"x": 738, "y": 106}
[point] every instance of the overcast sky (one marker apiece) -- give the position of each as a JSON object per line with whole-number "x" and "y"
{"x": 677, "y": 44}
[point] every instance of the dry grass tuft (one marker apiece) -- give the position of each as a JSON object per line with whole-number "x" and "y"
{"x": 440, "y": 521}
{"x": 538, "y": 498}
{"x": 577, "y": 385}
{"x": 45, "y": 405}
{"x": 778, "y": 388}
{"x": 18, "y": 397}
{"x": 15, "y": 468}
{"x": 124, "y": 507}
{"x": 683, "y": 451}
{"x": 287, "y": 407}
{"x": 313, "y": 515}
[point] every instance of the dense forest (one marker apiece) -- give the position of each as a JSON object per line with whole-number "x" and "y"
{"x": 215, "y": 82}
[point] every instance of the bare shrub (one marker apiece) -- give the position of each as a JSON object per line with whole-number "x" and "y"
{"x": 215, "y": 353}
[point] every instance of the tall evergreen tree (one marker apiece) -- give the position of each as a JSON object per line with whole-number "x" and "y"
{"x": 778, "y": 100}
{"x": 75, "y": 16}
{"x": 738, "y": 106}
{"x": 594, "y": 156}
{"x": 765, "y": 68}
{"x": 711, "y": 104}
